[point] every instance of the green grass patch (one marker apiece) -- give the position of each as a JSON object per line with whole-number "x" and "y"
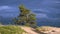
{"x": 11, "y": 29}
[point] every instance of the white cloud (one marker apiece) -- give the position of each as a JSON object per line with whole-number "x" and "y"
{"x": 43, "y": 10}
{"x": 41, "y": 15}
{"x": 58, "y": 2}
{"x": 5, "y": 7}
{"x": 8, "y": 9}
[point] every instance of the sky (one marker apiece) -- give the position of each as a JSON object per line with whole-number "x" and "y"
{"x": 44, "y": 9}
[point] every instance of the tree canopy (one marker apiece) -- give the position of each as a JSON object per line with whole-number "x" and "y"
{"x": 26, "y": 17}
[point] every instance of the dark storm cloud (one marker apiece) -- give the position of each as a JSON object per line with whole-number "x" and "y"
{"x": 8, "y": 11}
{"x": 8, "y": 6}
{"x": 42, "y": 8}
{"x": 8, "y": 2}
{"x": 47, "y": 11}
{"x": 49, "y": 7}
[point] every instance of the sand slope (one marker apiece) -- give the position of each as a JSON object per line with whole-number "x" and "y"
{"x": 53, "y": 30}
{"x": 29, "y": 30}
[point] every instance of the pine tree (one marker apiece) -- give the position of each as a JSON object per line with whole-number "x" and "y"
{"x": 25, "y": 17}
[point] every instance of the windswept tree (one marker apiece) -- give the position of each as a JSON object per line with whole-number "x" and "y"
{"x": 26, "y": 17}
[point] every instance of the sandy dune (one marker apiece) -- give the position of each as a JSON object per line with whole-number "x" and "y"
{"x": 29, "y": 30}
{"x": 50, "y": 30}
{"x": 57, "y": 30}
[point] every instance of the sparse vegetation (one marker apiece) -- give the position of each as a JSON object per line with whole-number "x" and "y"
{"x": 44, "y": 29}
